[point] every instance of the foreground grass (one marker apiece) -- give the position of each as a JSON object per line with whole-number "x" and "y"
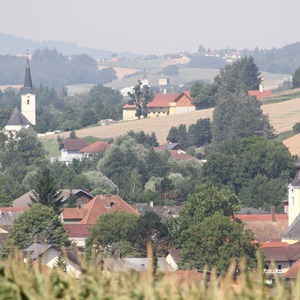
{"x": 20, "y": 281}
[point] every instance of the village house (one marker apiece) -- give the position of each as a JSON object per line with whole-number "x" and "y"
{"x": 99, "y": 205}
{"x": 82, "y": 197}
{"x": 163, "y": 105}
{"x": 48, "y": 255}
{"x": 94, "y": 149}
{"x": 70, "y": 149}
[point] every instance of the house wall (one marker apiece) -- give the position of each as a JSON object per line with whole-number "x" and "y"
{"x": 274, "y": 267}
{"x": 80, "y": 242}
{"x": 49, "y": 258}
{"x": 171, "y": 262}
{"x": 294, "y": 203}
{"x": 154, "y": 112}
{"x": 129, "y": 114}
{"x": 66, "y": 156}
{"x": 184, "y": 105}
{"x": 15, "y": 127}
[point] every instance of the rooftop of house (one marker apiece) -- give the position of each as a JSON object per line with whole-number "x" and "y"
{"x": 180, "y": 155}
{"x": 162, "y": 100}
{"x": 273, "y": 244}
{"x": 264, "y": 228}
{"x": 288, "y": 253}
{"x": 168, "y": 146}
{"x": 95, "y": 147}
{"x": 175, "y": 253}
{"x": 97, "y": 206}
{"x": 24, "y": 200}
{"x": 163, "y": 211}
{"x": 73, "y": 144}
{"x": 293, "y": 271}
{"x": 77, "y": 230}
{"x": 293, "y": 231}
{"x": 260, "y": 94}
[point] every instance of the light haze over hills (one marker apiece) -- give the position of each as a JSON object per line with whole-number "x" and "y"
{"x": 154, "y": 27}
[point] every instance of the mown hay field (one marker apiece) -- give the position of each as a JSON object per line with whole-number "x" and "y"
{"x": 282, "y": 116}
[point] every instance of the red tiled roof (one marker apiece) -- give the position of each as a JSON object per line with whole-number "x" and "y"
{"x": 263, "y": 227}
{"x": 13, "y": 209}
{"x": 180, "y": 155}
{"x": 102, "y": 204}
{"x": 77, "y": 230}
{"x": 73, "y": 213}
{"x": 161, "y": 100}
{"x": 273, "y": 244}
{"x": 261, "y": 217}
{"x": 293, "y": 271}
{"x": 74, "y": 144}
{"x": 260, "y": 95}
{"x": 95, "y": 147}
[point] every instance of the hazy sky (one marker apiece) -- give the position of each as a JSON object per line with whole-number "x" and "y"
{"x": 155, "y": 26}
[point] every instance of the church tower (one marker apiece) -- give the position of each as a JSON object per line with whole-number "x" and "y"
{"x": 28, "y": 97}
{"x": 294, "y": 196}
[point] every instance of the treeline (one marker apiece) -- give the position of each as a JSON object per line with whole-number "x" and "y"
{"x": 58, "y": 111}
{"x": 54, "y": 69}
{"x": 276, "y": 60}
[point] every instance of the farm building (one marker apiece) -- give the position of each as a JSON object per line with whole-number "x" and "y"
{"x": 162, "y": 105}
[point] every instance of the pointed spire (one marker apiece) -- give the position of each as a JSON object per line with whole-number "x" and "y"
{"x": 27, "y": 80}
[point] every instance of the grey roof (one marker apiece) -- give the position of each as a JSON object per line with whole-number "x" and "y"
{"x": 27, "y": 88}
{"x": 17, "y": 118}
{"x": 8, "y": 218}
{"x": 163, "y": 211}
{"x": 35, "y": 250}
{"x": 293, "y": 232}
{"x": 137, "y": 264}
{"x": 24, "y": 200}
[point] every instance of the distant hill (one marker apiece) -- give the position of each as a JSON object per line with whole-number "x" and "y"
{"x": 10, "y": 44}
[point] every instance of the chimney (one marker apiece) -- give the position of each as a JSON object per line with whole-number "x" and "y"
{"x": 151, "y": 203}
{"x": 273, "y": 213}
{"x": 261, "y": 87}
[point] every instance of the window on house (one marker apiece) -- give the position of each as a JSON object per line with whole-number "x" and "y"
{"x": 27, "y": 101}
{"x": 279, "y": 268}
{"x": 266, "y": 266}
{"x": 293, "y": 201}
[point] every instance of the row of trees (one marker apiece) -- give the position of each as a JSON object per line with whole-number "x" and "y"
{"x": 54, "y": 69}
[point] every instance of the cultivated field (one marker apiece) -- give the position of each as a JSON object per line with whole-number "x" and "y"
{"x": 282, "y": 116}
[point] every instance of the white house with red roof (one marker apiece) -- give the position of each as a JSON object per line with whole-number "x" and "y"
{"x": 70, "y": 149}
{"x": 163, "y": 105}
{"x": 94, "y": 149}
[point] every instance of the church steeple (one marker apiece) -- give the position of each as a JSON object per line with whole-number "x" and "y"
{"x": 28, "y": 97}
{"x": 27, "y": 80}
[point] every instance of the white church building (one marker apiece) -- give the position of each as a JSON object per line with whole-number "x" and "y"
{"x": 27, "y": 117}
